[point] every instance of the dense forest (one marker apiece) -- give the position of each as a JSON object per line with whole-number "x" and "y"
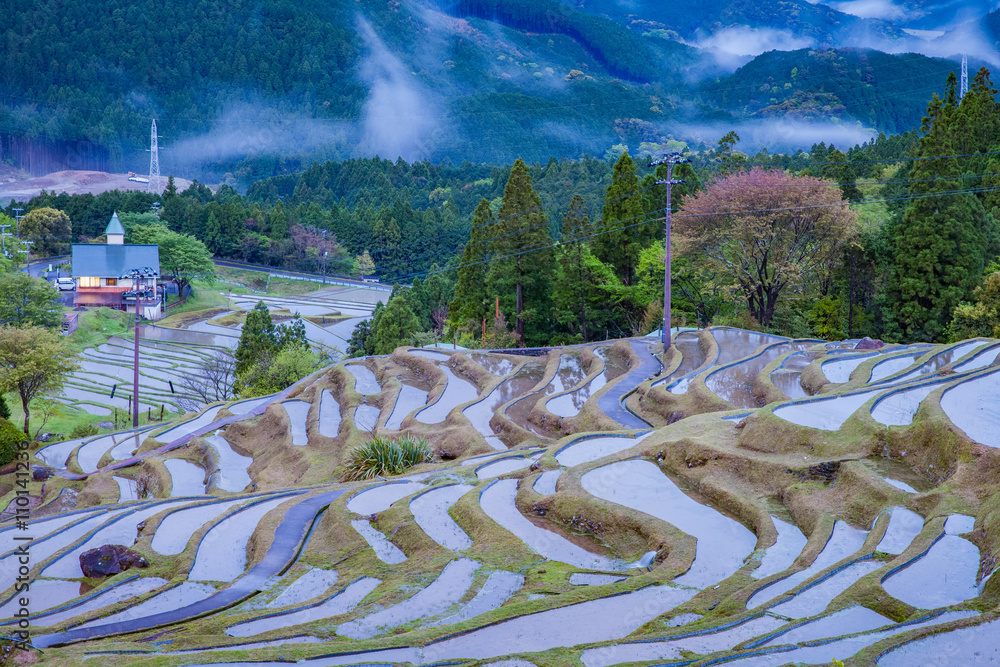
{"x": 243, "y": 91}
{"x": 573, "y": 249}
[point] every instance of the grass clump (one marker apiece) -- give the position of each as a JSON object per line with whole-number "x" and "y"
{"x": 385, "y": 456}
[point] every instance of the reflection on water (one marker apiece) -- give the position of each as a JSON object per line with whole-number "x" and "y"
{"x": 735, "y": 383}
{"x": 569, "y": 374}
{"x": 737, "y": 343}
{"x": 570, "y": 404}
{"x": 494, "y": 364}
{"x": 788, "y": 376}
{"x": 479, "y": 414}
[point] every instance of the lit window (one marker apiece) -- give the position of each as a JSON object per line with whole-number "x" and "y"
{"x": 89, "y": 282}
{"x": 110, "y": 282}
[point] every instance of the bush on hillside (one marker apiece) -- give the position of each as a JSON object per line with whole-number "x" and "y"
{"x": 10, "y": 435}
{"x": 384, "y": 456}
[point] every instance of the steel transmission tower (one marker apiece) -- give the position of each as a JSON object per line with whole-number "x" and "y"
{"x": 154, "y": 161}
{"x": 964, "y": 87}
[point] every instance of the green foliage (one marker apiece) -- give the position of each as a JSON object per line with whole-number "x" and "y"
{"x": 27, "y": 301}
{"x": 471, "y": 301}
{"x": 48, "y": 229}
{"x": 182, "y": 257}
{"x": 83, "y": 431}
{"x": 258, "y": 340}
{"x": 384, "y": 456}
{"x": 942, "y": 242}
{"x": 619, "y": 246}
{"x": 34, "y": 362}
{"x": 825, "y": 318}
{"x": 395, "y": 327}
{"x": 271, "y": 358}
{"x": 278, "y": 371}
{"x": 520, "y": 279}
{"x": 10, "y": 436}
{"x": 4, "y": 408}
{"x": 981, "y": 318}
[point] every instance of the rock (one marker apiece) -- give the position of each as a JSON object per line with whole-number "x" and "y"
{"x": 110, "y": 559}
{"x": 45, "y": 437}
{"x": 445, "y": 455}
{"x": 867, "y": 343}
{"x": 41, "y": 473}
{"x": 539, "y": 509}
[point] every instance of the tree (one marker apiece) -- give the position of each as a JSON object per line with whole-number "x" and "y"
{"x": 940, "y": 246}
{"x": 765, "y": 230}
{"x": 470, "y": 302}
{"x": 573, "y": 279}
{"x": 33, "y": 362}
{"x": 50, "y": 231}
{"x": 258, "y": 339}
{"x": 182, "y": 257}
{"x": 521, "y": 252}
{"x": 365, "y": 265}
{"x": 215, "y": 379}
{"x": 620, "y": 242}
{"x": 27, "y": 301}
{"x": 981, "y": 318}
{"x": 285, "y": 368}
{"x": 395, "y": 326}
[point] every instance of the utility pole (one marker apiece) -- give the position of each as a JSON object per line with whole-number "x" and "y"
{"x": 670, "y": 159}
{"x": 17, "y": 217}
{"x": 324, "y": 257}
{"x": 139, "y": 277}
{"x": 3, "y": 237}
{"x": 27, "y": 254}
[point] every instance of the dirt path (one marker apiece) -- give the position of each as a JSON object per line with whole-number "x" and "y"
{"x": 76, "y": 183}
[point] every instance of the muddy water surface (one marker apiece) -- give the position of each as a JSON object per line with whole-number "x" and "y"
{"x": 735, "y": 383}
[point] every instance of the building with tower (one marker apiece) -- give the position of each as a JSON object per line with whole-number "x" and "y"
{"x": 99, "y": 269}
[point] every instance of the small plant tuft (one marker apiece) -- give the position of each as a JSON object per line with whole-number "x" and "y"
{"x": 384, "y": 456}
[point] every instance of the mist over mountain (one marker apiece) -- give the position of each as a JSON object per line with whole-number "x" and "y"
{"x": 248, "y": 89}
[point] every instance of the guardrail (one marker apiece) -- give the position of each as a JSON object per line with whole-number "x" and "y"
{"x": 276, "y": 272}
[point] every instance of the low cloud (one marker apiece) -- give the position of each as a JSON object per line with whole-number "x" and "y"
{"x": 733, "y": 46}
{"x": 872, "y": 9}
{"x": 400, "y": 118}
{"x": 250, "y": 129}
{"x": 776, "y": 135}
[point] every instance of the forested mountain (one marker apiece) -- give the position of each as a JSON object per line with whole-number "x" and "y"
{"x": 247, "y": 90}
{"x": 842, "y": 85}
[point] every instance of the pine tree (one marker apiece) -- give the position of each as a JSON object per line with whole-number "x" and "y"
{"x": 573, "y": 278}
{"x": 617, "y": 246}
{"x": 470, "y": 302}
{"x": 521, "y": 255}
{"x": 940, "y": 244}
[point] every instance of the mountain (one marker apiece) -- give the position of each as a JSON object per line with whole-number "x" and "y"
{"x": 244, "y": 90}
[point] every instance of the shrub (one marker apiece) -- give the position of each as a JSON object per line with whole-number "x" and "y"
{"x": 4, "y": 408}
{"x": 383, "y": 456}
{"x": 10, "y": 435}
{"x": 83, "y": 431}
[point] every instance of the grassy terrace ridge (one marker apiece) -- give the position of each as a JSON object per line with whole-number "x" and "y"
{"x": 728, "y": 479}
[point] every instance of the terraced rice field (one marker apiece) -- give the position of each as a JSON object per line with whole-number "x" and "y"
{"x": 752, "y": 501}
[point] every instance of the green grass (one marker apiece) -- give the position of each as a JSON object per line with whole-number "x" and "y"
{"x": 96, "y": 326}
{"x": 382, "y": 456}
{"x": 255, "y": 282}
{"x": 203, "y": 295}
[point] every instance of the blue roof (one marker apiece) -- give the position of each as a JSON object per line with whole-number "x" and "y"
{"x": 115, "y": 226}
{"x": 111, "y": 261}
